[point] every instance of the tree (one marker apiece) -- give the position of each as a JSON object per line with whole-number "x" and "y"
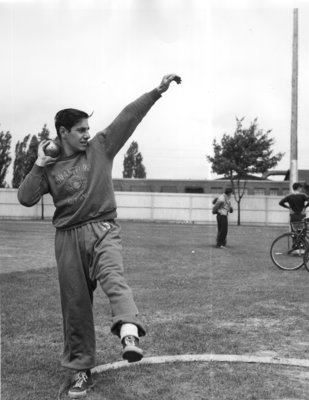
{"x": 26, "y": 153}
{"x": 20, "y": 161}
{"x": 139, "y": 170}
{"x": 133, "y": 163}
{"x": 5, "y": 159}
{"x": 245, "y": 153}
{"x": 31, "y": 154}
{"x": 44, "y": 134}
{"x": 128, "y": 161}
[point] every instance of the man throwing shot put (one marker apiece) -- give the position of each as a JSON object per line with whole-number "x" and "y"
{"x": 87, "y": 244}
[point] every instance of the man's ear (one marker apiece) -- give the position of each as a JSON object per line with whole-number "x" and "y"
{"x": 63, "y": 132}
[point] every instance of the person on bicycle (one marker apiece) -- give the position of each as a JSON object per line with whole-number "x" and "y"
{"x": 296, "y": 202}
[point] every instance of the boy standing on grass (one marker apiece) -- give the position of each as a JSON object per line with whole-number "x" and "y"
{"x": 87, "y": 242}
{"x": 222, "y": 208}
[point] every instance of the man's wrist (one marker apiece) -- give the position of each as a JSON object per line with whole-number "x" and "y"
{"x": 155, "y": 93}
{"x": 40, "y": 163}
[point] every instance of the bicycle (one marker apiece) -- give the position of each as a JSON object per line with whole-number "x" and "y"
{"x": 289, "y": 250}
{"x": 306, "y": 259}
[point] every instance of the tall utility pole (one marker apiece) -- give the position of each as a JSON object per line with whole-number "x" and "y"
{"x": 293, "y": 148}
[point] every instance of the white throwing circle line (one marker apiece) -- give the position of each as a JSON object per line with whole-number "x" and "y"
{"x": 205, "y": 358}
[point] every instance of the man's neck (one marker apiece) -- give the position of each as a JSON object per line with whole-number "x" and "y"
{"x": 67, "y": 151}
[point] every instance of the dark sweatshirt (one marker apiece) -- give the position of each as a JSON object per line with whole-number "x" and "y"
{"x": 297, "y": 203}
{"x": 81, "y": 185}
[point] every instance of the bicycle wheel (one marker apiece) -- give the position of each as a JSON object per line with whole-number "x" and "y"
{"x": 287, "y": 251}
{"x": 306, "y": 259}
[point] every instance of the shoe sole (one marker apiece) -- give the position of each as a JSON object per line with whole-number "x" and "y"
{"x": 132, "y": 354}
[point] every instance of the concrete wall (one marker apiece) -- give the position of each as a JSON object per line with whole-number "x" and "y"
{"x": 173, "y": 207}
{"x": 253, "y": 187}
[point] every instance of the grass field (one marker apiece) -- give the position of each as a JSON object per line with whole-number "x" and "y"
{"x": 193, "y": 299}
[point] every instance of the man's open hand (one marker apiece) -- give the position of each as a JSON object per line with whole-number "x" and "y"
{"x": 166, "y": 80}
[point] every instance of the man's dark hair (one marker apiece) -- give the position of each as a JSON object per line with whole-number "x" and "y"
{"x": 297, "y": 185}
{"x": 228, "y": 190}
{"x": 68, "y": 118}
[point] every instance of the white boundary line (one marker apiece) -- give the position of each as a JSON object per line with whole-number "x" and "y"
{"x": 204, "y": 358}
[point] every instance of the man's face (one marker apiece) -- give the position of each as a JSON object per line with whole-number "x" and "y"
{"x": 76, "y": 140}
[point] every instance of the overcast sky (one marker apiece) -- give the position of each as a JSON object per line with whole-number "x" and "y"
{"x": 235, "y": 59}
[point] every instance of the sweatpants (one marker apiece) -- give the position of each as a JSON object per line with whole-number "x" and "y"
{"x": 86, "y": 255}
{"x": 295, "y": 221}
{"x": 222, "y": 224}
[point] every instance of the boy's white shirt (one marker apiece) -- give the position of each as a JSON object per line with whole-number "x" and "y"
{"x": 225, "y": 208}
